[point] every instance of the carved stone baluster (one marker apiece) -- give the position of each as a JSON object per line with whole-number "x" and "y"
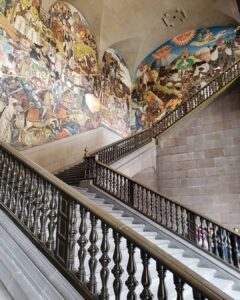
{"x": 3, "y": 172}
{"x": 154, "y": 209}
{"x": 82, "y": 242}
{"x": 72, "y": 235}
{"x": 24, "y": 199}
{"x": 117, "y": 269}
{"x": 140, "y": 198}
{"x": 198, "y": 295}
{"x": 52, "y": 219}
{"x": 31, "y": 199}
{"x": 93, "y": 250}
{"x": 229, "y": 248}
{"x": 131, "y": 282}
{"x": 192, "y": 226}
{"x": 37, "y": 209}
{"x": 7, "y": 196}
{"x": 167, "y": 213}
{"x": 118, "y": 186}
{"x": 109, "y": 181}
{"x": 149, "y": 203}
{"x": 157, "y": 207}
{"x": 161, "y": 211}
{"x": 202, "y": 232}
{"x": 146, "y": 278}
{"x": 44, "y": 210}
{"x": 18, "y": 194}
{"x": 235, "y": 251}
{"x": 104, "y": 260}
{"x": 177, "y": 218}
{"x": 114, "y": 183}
{"x": 13, "y": 183}
{"x": 215, "y": 240}
{"x": 171, "y": 208}
{"x": 179, "y": 286}
{"x": 162, "y": 291}
{"x": 183, "y": 220}
{"x": 209, "y": 238}
{"x": 144, "y": 201}
{"x": 220, "y": 243}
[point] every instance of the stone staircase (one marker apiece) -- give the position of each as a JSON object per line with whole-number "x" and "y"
{"x": 72, "y": 175}
{"x": 198, "y": 261}
{"x": 25, "y": 273}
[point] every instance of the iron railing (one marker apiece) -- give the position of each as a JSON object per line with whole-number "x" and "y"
{"x": 198, "y": 229}
{"x": 190, "y": 225}
{"x": 81, "y": 239}
{"x": 119, "y": 149}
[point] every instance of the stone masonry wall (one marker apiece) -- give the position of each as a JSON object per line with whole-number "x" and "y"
{"x": 198, "y": 162}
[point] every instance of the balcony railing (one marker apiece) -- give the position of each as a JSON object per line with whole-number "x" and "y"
{"x": 119, "y": 149}
{"x": 65, "y": 226}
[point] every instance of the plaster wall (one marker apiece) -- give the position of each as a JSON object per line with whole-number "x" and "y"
{"x": 137, "y": 161}
{"x": 57, "y": 156}
{"x": 198, "y": 163}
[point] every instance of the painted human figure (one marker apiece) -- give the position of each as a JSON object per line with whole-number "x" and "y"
{"x": 6, "y": 120}
{"x": 138, "y": 119}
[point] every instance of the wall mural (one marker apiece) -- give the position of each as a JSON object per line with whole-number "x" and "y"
{"x": 48, "y": 71}
{"x": 180, "y": 67}
{"x": 116, "y": 93}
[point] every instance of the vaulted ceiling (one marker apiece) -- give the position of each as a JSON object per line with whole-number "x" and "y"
{"x": 136, "y": 27}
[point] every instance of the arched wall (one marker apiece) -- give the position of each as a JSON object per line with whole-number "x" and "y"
{"x": 178, "y": 68}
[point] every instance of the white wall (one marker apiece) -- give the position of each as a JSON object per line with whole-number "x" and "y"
{"x": 137, "y": 161}
{"x": 58, "y": 155}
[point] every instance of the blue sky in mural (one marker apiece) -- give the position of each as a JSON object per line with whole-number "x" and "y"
{"x": 225, "y": 32}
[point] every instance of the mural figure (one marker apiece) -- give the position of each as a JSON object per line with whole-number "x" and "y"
{"x": 179, "y": 68}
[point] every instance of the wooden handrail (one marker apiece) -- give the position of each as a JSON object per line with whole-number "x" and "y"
{"x": 15, "y": 163}
{"x": 178, "y": 218}
{"x": 185, "y": 206}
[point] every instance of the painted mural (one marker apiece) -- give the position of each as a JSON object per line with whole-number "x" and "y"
{"x": 179, "y": 68}
{"x": 48, "y": 71}
{"x": 115, "y": 93}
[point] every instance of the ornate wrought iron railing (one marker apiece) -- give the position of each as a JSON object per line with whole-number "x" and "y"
{"x": 119, "y": 149}
{"x": 200, "y": 230}
{"x": 75, "y": 234}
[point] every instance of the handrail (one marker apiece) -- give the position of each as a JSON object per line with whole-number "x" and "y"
{"x": 187, "y": 223}
{"x": 46, "y": 211}
{"x": 119, "y": 149}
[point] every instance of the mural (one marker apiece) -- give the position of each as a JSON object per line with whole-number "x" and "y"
{"x": 180, "y": 67}
{"x": 48, "y": 71}
{"x": 116, "y": 93}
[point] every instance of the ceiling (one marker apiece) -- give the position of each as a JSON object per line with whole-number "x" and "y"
{"x": 136, "y": 27}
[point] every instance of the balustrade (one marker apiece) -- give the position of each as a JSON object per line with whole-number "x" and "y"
{"x": 49, "y": 212}
{"x": 197, "y": 229}
{"x": 86, "y": 243}
{"x": 119, "y": 149}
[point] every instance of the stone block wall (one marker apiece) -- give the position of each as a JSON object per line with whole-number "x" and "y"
{"x": 198, "y": 162}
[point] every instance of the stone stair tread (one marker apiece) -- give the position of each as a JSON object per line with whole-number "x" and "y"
{"x": 222, "y": 283}
{"x": 170, "y": 246}
{"x": 234, "y": 293}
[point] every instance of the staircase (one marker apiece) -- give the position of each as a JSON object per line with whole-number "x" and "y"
{"x": 25, "y": 274}
{"x": 142, "y": 246}
{"x": 73, "y": 175}
{"x": 209, "y": 268}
